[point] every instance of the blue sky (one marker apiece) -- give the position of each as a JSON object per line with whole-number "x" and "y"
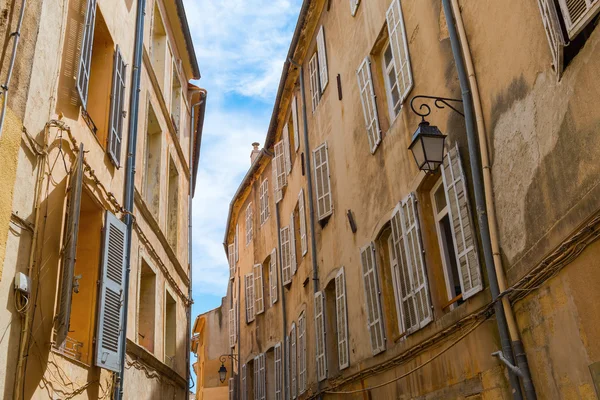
{"x": 241, "y": 46}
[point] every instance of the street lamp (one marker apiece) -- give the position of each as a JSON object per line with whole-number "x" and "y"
{"x": 222, "y": 369}
{"x": 427, "y": 144}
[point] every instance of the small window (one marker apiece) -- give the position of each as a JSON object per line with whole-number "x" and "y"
{"x": 147, "y": 306}
{"x": 173, "y": 206}
{"x": 249, "y": 224}
{"x": 264, "y": 201}
{"x": 170, "y": 330}
{"x": 153, "y": 162}
{"x": 323, "y": 185}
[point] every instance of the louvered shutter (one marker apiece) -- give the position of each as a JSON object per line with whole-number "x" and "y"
{"x": 85, "y": 57}
{"x": 273, "y": 276}
{"x": 293, "y": 360}
{"x": 577, "y": 13}
{"x": 286, "y": 258}
{"x": 110, "y": 304}
{"x": 249, "y": 222}
{"x": 257, "y": 378}
{"x": 244, "y": 389}
{"x": 232, "y": 327}
{"x": 117, "y": 106}
{"x": 465, "y": 246}
{"x": 369, "y": 105}
{"x": 69, "y": 250}
{"x": 231, "y": 389}
{"x": 320, "y": 336}
{"x": 279, "y": 174}
{"x": 315, "y": 91}
{"x": 553, "y": 32}
{"x": 296, "y": 124}
{"x": 341, "y": 319}
{"x": 323, "y": 186}
{"x": 231, "y": 255}
{"x": 286, "y": 149}
{"x": 249, "y": 282}
{"x": 264, "y": 201}
{"x": 262, "y": 383}
{"x": 399, "y": 45}
{"x": 259, "y": 289}
{"x": 354, "y": 6}
{"x": 302, "y": 217}
{"x": 301, "y": 353}
{"x": 293, "y": 263}
{"x": 395, "y": 268}
{"x": 322, "y": 51}
{"x": 373, "y": 302}
{"x": 236, "y": 242}
{"x": 401, "y": 273}
{"x": 278, "y": 372}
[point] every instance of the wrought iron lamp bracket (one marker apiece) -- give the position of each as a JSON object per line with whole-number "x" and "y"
{"x": 224, "y": 357}
{"x": 439, "y": 102}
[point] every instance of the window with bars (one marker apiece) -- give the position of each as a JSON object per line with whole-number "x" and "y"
{"x": 301, "y": 353}
{"x": 249, "y": 285}
{"x": 369, "y": 104}
{"x": 372, "y": 299}
{"x": 322, "y": 182}
{"x": 249, "y": 215}
{"x": 264, "y": 201}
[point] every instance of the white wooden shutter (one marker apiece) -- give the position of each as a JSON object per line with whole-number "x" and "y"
{"x": 341, "y": 319}
{"x": 354, "y": 6}
{"x": 236, "y": 242}
{"x": 117, "y": 106}
{"x": 320, "y": 336}
{"x": 259, "y": 289}
{"x": 257, "y": 378}
{"x": 286, "y": 149}
{"x": 293, "y": 263}
{"x": 322, "y": 51}
{"x": 69, "y": 249}
{"x": 302, "y": 217}
{"x": 577, "y": 13}
{"x": 465, "y": 246}
{"x": 301, "y": 353}
{"x": 278, "y": 372}
{"x": 323, "y": 185}
{"x": 260, "y": 378}
{"x": 231, "y": 389}
{"x": 296, "y": 124}
{"x": 232, "y": 332}
{"x": 369, "y": 105}
{"x": 396, "y": 274}
{"x": 264, "y": 201}
{"x": 553, "y": 32}
{"x": 249, "y": 224}
{"x": 244, "y": 388}
{"x": 401, "y": 275}
{"x": 231, "y": 256}
{"x": 293, "y": 360}
{"x": 85, "y": 57}
{"x": 286, "y": 257}
{"x": 273, "y": 276}
{"x": 279, "y": 173}
{"x": 372, "y": 299}
{"x": 315, "y": 91}
{"x": 249, "y": 282}
{"x": 110, "y": 305}
{"x": 399, "y": 45}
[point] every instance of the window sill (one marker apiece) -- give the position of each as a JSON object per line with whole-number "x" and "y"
{"x": 69, "y": 358}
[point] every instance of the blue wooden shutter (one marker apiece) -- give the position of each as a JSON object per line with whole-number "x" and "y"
{"x": 110, "y": 305}
{"x": 85, "y": 57}
{"x": 117, "y": 105}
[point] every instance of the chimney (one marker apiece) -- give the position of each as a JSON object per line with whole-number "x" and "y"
{"x": 255, "y": 152}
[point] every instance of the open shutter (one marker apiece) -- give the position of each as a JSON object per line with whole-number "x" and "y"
{"x": 231, "y": 389}
{"x": 110, "y": 304}
{"x": 302, "y": 217}
{"x": 354, "y": 6}
{"x": 296, "y": 124}
{"x": 117, "y": 105}
{"x": 301, "y": 353}
{"x": 577, "y": 13}
{"x": 369, "y": 105}
{"x": 249, "y": 282}
{"x": 553, "y": 33}
{"x": 401, "y": 274}
{"x": 279, "y": 173}
{"x": 273, "y": 276}
{"x": 259, "y": 289}
{"x": 278, "y": 372}
{"x": 244, "y": 389}
{"x": 320, "y": 336}
{"x": 286, "y": 255}
{"x": 461, "y": 223}
{"x": 399, "y": 45}
{"x": 85, "y": 57}
{"x": 396, "y": 274}
{"x": 262, "y": 378}
{"x": 232, "y": 327}
{"x": 69, "y": 250}
{"x": 249, "y": 222}
{"x": 323, "y": 186}
{"x": 315, "y": 92}
{"x": 236, "y": 241}
{"x": 373, "y": 302}
{"x": 257, "y": 378}
{"x": 293, "y": 263}
{"x": 286, "y": 149}
{"x": 293, "y": 360}
{"x": 322, "y": 51}
{"x": 231, "y": 256}
{"x": 342, "y": 319}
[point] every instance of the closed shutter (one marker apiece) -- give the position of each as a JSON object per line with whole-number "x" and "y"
{"x": 259, "y": 289}
{"x": 249, "y": 282}
{"x": 249, "y": 224}
{"x": 232, "y": 327}
{"x": 461, "y": 223}
{"x": 293, "y": 360}
{"x": 286, "y": 258}
{"x": 236, "y": 242}
{"x": 244, "y": 383}
{"x": 315, "y": 91}
{"x": 577, "y": 14}
{"x": 279, "y": 173}
{"x": 354, "y": 6}
{"x": 273, "y": 276}
{"x": 373, "y": 302}
{"x": 110, "y": 304}
{"x": 553, "y": 32}
{"x": 286, "y": 149}
{"x": 322, "y": 51}
{"x": 341, "y": 318}
{"x": 85, "y": 57}
{"x": 278, "y": 372}
{"x": 301, "y": 353}
{"x": 69, "y": 250}
{"x": 369, "y": 105}
{"x": 117, "y": 106}
{"x": 399, "y": 45}
{"x": 323, "y": 186}
{"x": 293, "y": 245}
{"x": 320, "y": 336}
{"x": 231, "y": 255}
{"x": 231, "y": 389}
{"x": 296, "y": 124}
{"x": 302, "y": 217}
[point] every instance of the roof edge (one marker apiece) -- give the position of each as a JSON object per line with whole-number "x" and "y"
{"x": 185, "y": 27}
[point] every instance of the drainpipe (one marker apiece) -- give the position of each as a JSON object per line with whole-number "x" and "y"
{"x": 311, "y": 207}
{"x": 6, "y": 84}
{"x": 484, "y": 231}
{"x": 489, "y": 197}
{"x": 130, "y": 178}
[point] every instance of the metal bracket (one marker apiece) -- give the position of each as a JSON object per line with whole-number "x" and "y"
{"x": 439, "y": 102}
{"x": 516, "y": 370}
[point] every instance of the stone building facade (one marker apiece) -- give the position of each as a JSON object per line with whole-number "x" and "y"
{"x": 356, "y": 275}
{"x": 104, "y": 285}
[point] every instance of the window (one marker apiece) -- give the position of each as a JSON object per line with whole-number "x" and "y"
{"x": 396, "y": 61}
{"x": 249, "y": 224}
{"x": 259, "y": 289}
{"x": 315, "y": 89}
{"x": 117, "y": 108}
{"x": 301, "y": 353}
{"x": 286, "y": 255}
{"x": 322, "y": 53}
{"x": 336, "y": 322}
{"x": 302, "y": 218}
{"x": 153, "y": 163}
{"x": 147, "y": 306}
{"x": 369, "y": 104}
{"x": 176, "y": 99}
{"x": 323, "y": 186}
{"x": 264, "y": 201}
{"x": 170, "y": 330}
{"x": 249, "y": 283}
{"x": 158, "y": 51}
{"x": 278, "y": 372}
{"x": 354, "y": 6}
{"x": 232, "y": 327}
{"x": 279, "y": 170}
{"x": 260, "y": 389}
{"x": 293, "y": 356}
{"x": 273, "y": 276}
{"x": 173, "y": 206}
{"x": 231, "y": 257}
{"x": 372, "y": 299}
{"x": 295, "y": 124}
{"x": 320, "y": 336}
